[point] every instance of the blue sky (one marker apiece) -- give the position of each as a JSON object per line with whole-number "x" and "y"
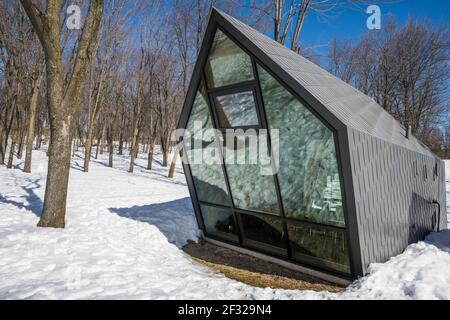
{"x": 352, "y": 23}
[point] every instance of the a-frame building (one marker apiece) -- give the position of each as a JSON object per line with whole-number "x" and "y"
{"x": 352, "y": 186}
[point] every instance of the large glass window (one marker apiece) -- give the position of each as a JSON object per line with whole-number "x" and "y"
{"x": 308, "y": 172}
{"x": 319, "y": 246}
{"x": 219, "y": 222}
{"x": 237, "y": 109}
{"x": 312, "y": 227}
{"x": 266, "y": 230}
{"x": 201, "y": 149}
{"x": 227, "y": 63}
{"x": 251, "y": 188}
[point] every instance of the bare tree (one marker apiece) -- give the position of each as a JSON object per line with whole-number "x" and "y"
{"x": 14, "y": 49}
{"x": 63, "y": 99}
{"x": 144, "y": 61}
{"x": 116, "y": 13}
{"x": 404, "y": 69}
{"x": 36, "y": 88}
{"x": 94, "y": 106}
{"x": 289, "y": 16}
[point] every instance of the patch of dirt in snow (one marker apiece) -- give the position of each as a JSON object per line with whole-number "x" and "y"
{"x": 253, "y": 271}
{"x": 123, "y": 239}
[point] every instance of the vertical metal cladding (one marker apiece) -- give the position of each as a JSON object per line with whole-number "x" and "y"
{"x": 394, "y": 192}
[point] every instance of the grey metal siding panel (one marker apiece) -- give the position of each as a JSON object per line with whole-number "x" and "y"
{"x": 445, "y": 219}
{"x": 394, "y": 206}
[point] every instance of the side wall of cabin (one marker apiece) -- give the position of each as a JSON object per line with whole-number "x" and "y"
{"x": 394, "y": 192}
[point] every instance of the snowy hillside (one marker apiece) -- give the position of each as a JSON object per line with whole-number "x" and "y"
{"x": 123, "y": 237}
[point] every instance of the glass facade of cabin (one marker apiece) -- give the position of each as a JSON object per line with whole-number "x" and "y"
{"x": 296, "y": 213}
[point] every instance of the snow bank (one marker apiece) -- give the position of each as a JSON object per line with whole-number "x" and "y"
{"x": 123, "y": 237}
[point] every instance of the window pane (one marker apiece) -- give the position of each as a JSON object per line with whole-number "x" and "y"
{"x": 219, "y": 222}
{"x": 308, "y": 172}
{"x": 319, "y": 246}
{"x": 227, "y": 63}
{"x": 235, "y": 110}
{"x": 251, "y": 189}
{"x": 208, "y": 177}
{"x": 265, "y": 229}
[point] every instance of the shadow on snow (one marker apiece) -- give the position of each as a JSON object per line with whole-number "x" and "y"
{"x": 34, "y": 202}
{"x": 175, "y": 219}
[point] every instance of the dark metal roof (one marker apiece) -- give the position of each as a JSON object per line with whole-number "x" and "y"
{"x": 350, "y": 106}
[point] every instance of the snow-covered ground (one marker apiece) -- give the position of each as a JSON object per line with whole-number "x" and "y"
{"x": 123, "y": 237}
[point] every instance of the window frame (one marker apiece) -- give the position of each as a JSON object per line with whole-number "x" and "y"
{"x": 248, "y": 86}
{"x": 210, "y": 48}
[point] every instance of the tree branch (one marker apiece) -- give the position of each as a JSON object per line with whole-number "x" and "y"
{"x": 35, "y": 16}
{"x": 86, "y": 45}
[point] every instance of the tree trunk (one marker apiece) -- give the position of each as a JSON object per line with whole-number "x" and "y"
{"x": 15, "y": 136}
{"x": 121, "y": 144}
{"x": 151, "y": 147}
{"x": 111, "y": 155}
{"x": 102, "y": 140}
{"x": 165, "y": 152}
{"x": 8, "y": 124}
{"x": 31, "y": 122}
{"x": 74, "y": 143}
{"x": 38, "y": 138}
{"x": 4, "y": 145}
{"x": 11, "y": 153}
{"x": 145, "y": 148}
{"x": 54, "y": 211}
{"x": 1, "y": 145}
{"x": 97, "y": 147}
{"x": 173, "y": 164}
{"x": 38, "y": 143}
{"x": 132, "y": 153}
{"x": 20, "y": 150}
{"x": 165, "y": 158}
{"x": 110, "y": 141}
{"x": 2, "y": 148}
{"x": 136, "y": 148}
{"x": 88, "y": 151}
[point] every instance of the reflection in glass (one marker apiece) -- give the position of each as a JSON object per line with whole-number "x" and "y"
{"x": 319, "y": 246}
{"x": 308, "y": 172}
{"x": 227, "y": 63}
{"x": 237, "y": 109}
{"x": 265, "y": 229}
{"x": 208, "y": 177}
{"x": 250, "y": 188}
{"x": 219, "y": 222}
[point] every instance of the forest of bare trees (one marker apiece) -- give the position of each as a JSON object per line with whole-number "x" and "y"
{"x": 117, "y": 85}
{"x": 406, "y": 70}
